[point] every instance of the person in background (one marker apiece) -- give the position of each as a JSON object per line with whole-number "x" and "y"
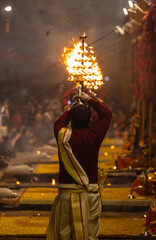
{"x": 77, "y": 207}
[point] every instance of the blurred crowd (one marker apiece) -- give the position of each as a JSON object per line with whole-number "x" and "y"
{"x": 28, "y": 125}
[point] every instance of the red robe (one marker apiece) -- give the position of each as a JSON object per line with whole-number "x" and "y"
{"x": 85, "y": 143}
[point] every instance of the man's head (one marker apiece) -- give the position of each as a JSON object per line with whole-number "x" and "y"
{"x": 80, "y": 115}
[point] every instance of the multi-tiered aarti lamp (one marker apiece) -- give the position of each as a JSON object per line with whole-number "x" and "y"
{"x": 82, "y": 65}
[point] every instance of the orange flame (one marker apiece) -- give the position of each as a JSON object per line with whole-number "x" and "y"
{"x": 82, "y": 65}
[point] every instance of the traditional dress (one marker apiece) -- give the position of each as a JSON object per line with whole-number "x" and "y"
{"x": 76, "y": 209}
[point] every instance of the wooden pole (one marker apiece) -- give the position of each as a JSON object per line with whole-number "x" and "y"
{"x": 150, "y": 129}
{"x": 143, "y": 122}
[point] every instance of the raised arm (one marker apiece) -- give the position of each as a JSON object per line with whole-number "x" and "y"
{"x": 61, "y": 122}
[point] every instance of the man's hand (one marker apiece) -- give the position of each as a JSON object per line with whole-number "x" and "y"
{"x": 83, "y": 97}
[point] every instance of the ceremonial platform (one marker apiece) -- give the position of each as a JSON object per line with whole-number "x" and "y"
{"x": 26, "y": 216}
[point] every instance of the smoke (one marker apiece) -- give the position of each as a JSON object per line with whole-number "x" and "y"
{"x": 40, "y": 29}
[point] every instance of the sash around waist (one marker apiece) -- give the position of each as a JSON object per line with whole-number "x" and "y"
{"x": 92, "y": 188}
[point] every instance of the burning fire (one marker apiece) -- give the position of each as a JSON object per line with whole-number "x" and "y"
{"x": 82, "y": 65}
{"x": 53, "y": 181}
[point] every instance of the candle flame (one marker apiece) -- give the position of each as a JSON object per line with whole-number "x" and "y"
{"x": 53, "y": 181}
{"x": 38, "y": 152}
{"x": 18, "y": 182}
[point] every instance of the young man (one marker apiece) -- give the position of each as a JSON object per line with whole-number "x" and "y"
{"x": 76, "y": 209}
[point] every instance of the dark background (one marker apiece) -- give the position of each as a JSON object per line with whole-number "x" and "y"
{"x": 39, "y": 30}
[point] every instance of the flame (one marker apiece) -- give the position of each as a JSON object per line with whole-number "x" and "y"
{"x": 38, "y": 152}
{"x": 82, "y": 65}
{"x": 18, "y": 182}
{"x": 53, "y": 181}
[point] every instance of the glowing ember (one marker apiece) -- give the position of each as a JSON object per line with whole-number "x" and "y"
{"x": 38, "y": 152}
{"x": 82, "y": 65}
{"x": 53, "y": 181}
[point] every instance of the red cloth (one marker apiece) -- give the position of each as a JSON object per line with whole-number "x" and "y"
{"x": 85, "y": 143}
{"x": 151, "y": 216}
{"x": 149, "y": 185}
{"x": 125, "y": 162}
{"x": 144, "y": 57}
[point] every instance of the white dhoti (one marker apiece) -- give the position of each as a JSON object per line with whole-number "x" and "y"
{"x": 76, "y": 210}
{"x": 75, "y": 215}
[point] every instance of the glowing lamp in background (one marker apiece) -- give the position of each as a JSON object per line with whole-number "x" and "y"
{"x": 53, "y": 182}
{"x": 131, "y": 4}
{"x": 125, "y": 11}
{"x": 8, "y": 8}
{"x": 18, "y": 183}
{"x": 112, "y": 147}
{"x": 82, "y": 65}
{"x": 108, "y": 184}
{"x": 38, "y": 152}
{"x": 106, "y": 153}
{"x": 106, "y": 78}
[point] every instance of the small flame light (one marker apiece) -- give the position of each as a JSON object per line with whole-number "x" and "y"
{"x": 150, "y": 178}
{"x": 145, "y": 215}
{"x": 38, "y": 214}
{"x": 18, "y": 182}
{"x": 114, "y": 167}
{"x": 38, "y": 152}
{"x": 53, "y": 182}
{"x": 106, "y": 153}
{"x": 108, "y": 184}
{"x": 112, "y": 147}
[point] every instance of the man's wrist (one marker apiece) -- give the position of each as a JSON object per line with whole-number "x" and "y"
{"x": 88, "y": 98}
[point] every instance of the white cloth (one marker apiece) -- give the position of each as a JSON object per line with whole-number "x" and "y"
{"x": 61, "y": 226}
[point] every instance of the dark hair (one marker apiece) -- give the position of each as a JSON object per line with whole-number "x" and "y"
{"x": 80, "y": 116}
